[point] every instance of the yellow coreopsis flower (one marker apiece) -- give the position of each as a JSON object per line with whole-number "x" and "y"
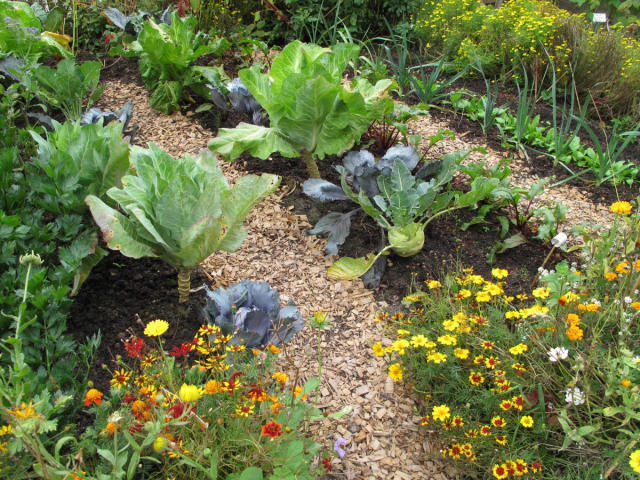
{"x": 441, "y": 412}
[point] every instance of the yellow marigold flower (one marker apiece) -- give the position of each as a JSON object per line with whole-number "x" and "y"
{"x": 499, "y": 273}
{"x": 574, "y": 332}
{"x": 569, "y": 297}
{"x": 526, "y": 421}
{"x": 522, "y": 297}
{"x": 5, "y": 430}
{"x": 378, "y": 351}
{"x": 483, "y": 297}
{"x": 450, "y": 325}
{"x": 448, "y": 340}
{"x": 542, "y": 292}
{"x": 459, "y": 317}
{"x": 493, "y": 289}
{"x": 518, "y": 349}
{"x": 433, "y": 284}
{"x": 440, "y": 412}
{"x": 511, "y": 314}
{"x": 155, "y": 328}
{"x": 623, "y": 267}
{"x": 573, "y": 319}
{"x": 621, "y": 208}
{"x": 280, "y": 377}
{"x": 436, "y": 357}
{"x": 475, "y": 279}
{"x": 634, "y": 461}
{"x": 430, "y": 345}
{"x": 395, "y": 372}
{"x": 400, "y": 346}
{"x": 461, "y": 353}
{"x": 418, "y": 341}
{"x": 402, "y": 332}
{"x": 508, "y": 299}
{"x": 159, "y": 444}
{"x": 610, "y": 276}
{"x": 625, "y": 382}
{"x": 462, "y": 294}
{"x": 189, "y": 393}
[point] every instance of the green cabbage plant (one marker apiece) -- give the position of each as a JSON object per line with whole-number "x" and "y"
{"x": 404, "y": 205}
{"x": 167, "y": 55}
{"x": 311, "y": 112}
{"x": 178, "y": 210}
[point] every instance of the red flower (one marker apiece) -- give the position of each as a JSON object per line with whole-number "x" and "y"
{"x": 137, "y": 428}
{"x": 108, "y": 38}
{"x": 134, "y": 346}
{"x": 128, "y": 398}
{"x": 177, "y": 410}
{"x": 327, "y": 464}
{"x": 272, "y": 430}
{"x": 184, "y": 349}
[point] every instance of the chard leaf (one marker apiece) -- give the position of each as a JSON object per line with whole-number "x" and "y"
{"x": 323, "y": 191}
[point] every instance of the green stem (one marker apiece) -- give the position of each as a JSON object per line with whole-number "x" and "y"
{"x": 184, "y": 284}
{"x": 312, "y": 166}
{"x": 319, "y": 368}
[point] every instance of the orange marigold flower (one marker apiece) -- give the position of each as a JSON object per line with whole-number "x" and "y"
{"x": 272, "y": 430}
{"x": 93, "y": 396}
{"x": 621, "y": 208}
{"x": 625, "y": 382}
{"x": 574, "y": 333}
{"x": 573, "y": 319}
{"x": 212, "y": 386}
{"x": 610, "y": 276}
{"x": 111, "y": 428}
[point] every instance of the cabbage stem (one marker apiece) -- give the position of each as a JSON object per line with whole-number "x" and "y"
{"x": 184, "y": 284}
{"x": 312, "y": 166}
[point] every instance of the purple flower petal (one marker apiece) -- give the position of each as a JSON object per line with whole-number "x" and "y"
{"x": 336, "y": 446}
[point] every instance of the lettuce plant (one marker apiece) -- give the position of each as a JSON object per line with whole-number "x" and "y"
{"x": 251, "y": 312}
{"x": 178, "y": 210}
{"x": 403, "y": 204}
{"x": 311, "y": 113}
{"x": 167, "y": 54}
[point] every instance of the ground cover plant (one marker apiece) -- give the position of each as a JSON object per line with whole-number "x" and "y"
{"x": 538, "y": 384}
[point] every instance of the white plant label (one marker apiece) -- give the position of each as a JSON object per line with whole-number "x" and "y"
{"x": 600, "y": 17}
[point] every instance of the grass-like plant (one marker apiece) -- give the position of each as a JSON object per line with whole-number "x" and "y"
{"x": 178, "y": 210}
{"x": 540, "y": 382}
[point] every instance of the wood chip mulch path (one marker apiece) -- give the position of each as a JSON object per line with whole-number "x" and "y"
{"x": 384, "y": 441}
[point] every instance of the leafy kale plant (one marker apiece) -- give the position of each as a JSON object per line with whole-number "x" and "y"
{"x": 401, "y": 203}
{"x": 167, "y": 55}
{"x": 66, "y": 86}
{"x": 251, "y": 312}
{"x": 311, "y": 113}
{"x": 178, "y": 210}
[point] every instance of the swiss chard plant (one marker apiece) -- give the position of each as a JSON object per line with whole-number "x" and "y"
{"x": 251, "y": 312}
{"x": 66, "y": 86}
{"x": 403, "y": 204}
{"x": 178, "y": 210}
{"x": 76, "y": 160}
{"x": 311, "y": 112}
{"x": 167, "y": 55}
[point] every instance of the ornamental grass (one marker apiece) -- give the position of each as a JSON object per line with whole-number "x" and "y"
{"x": 542, "y": 384}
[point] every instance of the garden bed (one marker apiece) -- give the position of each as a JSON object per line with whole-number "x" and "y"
{"x": 383, "y": 427}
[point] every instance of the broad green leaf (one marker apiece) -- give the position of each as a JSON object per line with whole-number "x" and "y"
{"x": 348, "y": 268}
{"x": 257, "y": 140}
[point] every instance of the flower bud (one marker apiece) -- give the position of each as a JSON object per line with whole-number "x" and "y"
{"x": 31, "y": 259}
